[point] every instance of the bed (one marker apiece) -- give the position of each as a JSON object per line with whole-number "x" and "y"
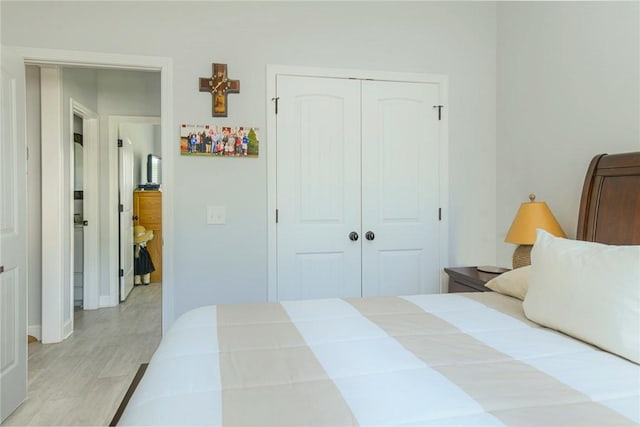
{"x": 428, "y": 360}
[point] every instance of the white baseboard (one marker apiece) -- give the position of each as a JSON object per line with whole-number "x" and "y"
{"x": 35, "y": 331}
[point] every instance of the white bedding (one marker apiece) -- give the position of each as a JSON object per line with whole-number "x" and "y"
{"x": 436, "y": 360}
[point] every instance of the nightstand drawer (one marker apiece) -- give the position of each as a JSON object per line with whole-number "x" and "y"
{"x": 459, "y": 287}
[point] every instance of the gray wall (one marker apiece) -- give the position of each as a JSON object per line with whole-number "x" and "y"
{"x": 144, "y": 143}
{"x": 560, "y": 79}
{"x": 568, "y": 88}
{"x": 228, "y": 264}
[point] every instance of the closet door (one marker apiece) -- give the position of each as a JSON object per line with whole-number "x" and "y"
{"x": 318, "y": 188}
{"x": 399, "y": 188}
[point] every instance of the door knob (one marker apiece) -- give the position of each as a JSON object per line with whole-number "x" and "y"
{"x": 353, "y": 236}
{"x": 369, "y": 235}
{"x": 85, "y": 222}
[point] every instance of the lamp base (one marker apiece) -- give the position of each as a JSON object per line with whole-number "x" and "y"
{"x": 522, "y": 256}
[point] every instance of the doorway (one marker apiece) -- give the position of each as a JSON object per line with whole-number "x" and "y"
{"x": 84, "y": 141}
{"x": 138, "y": 139}
{"x": 14, "y": 61}
{"x": 78, "y": 217}
{"x": 98, "y": 272}
{"x": 84, "y": 239}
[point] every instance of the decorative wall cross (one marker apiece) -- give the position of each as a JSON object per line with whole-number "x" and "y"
{"x": 219, "y": 85}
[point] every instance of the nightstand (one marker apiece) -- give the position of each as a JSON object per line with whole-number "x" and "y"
{"x": 468, "y": 279}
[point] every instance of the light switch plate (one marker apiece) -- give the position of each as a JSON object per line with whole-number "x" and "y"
{"x": 216, "y": 215}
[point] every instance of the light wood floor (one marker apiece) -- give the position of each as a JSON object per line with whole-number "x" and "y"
{"x": 82, "y": 380}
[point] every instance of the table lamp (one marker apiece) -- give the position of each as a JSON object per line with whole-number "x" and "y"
{"x": 530, "y": 216}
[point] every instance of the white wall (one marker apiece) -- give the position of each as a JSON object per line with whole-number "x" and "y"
{"x": 144, "y": 143}
{"x": 157, "y": 140}
{"x": 81, "y": 85}
{"x": 128, "y": 93}
{"x": 34, "y": 205}
{"x": 568, "y": 88}
{"x": 228, "y": 264}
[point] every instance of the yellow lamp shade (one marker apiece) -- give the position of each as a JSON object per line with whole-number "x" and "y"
{"x": 530, "y": 216}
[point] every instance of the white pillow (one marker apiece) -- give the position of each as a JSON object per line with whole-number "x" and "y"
{"x": 513, "y": 283}
{"x": 587, "y": 290}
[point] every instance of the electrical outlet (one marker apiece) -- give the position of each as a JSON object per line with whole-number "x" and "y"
{"x": 216, "y": 215}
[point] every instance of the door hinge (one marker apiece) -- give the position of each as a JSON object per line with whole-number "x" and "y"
{"x": 121, "y": 273}
{"x": 121, "y": 207}
{"x": 119, "y": 143}
{"x": 276, "y": 216}
{"x": 439, "y": 107}
{"x": 439, "y": 214}
{"x": 276, "y": 101}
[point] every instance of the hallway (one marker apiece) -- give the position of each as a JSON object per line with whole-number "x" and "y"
{"x": 82, "y": 380}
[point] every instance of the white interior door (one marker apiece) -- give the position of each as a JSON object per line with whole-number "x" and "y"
{"x": 126, "y": 187}
{"x": 13, "y": 238}
{"x": 400, "y": 188}
{"x": 318, "y": 187}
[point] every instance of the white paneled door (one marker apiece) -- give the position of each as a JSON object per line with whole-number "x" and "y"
{"x": 357, "y": 188}
{"x": 13, "y": 247}
{"x": 400, "y": 188}
{"x": 318, "y": 188}
{"x": 125, "y": 190}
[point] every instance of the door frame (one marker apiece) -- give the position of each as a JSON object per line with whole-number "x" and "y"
{"x": 273, "y": 71}
{"x": 113, "y": 123}
{"x": 57, "y": 319}
{"x": 90, "y": 140}
{"x": 57, "y": 57}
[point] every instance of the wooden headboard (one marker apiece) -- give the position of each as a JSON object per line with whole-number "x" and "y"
{"x": 610, "y": 204}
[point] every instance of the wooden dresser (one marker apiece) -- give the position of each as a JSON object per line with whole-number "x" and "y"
{"x": 147, "y": 211}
